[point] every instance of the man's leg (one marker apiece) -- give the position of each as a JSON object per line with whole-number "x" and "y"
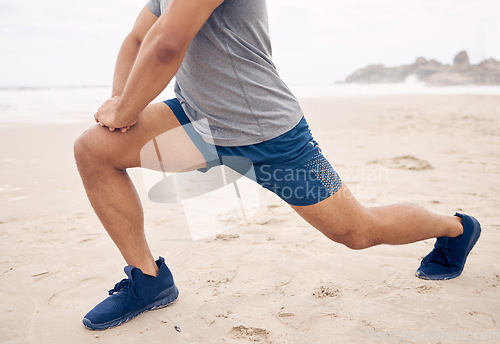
{"x": 343, "y": 219}
{"x": 102, "y": 158}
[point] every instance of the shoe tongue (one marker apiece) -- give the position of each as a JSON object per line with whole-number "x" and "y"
{"x": 135, "y": 274}
{"x": 441, "y": 242}
{"x": 129, "y": 271}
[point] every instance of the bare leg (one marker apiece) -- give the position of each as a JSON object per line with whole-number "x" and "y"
{"x": 342, "y": 219}
{"x": 102, "y": 158}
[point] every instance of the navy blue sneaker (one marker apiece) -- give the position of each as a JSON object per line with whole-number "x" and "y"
{"x": 447, "y": 259}
{"x": 132, "y": 296}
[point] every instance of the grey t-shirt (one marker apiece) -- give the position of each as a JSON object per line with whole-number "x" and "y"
{"x": 228, "y": 77}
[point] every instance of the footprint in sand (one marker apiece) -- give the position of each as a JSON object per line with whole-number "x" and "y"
{"x": 65, "y": 298}
{"x": 283, "y": 314}
{"x": 326, "y": 291}
{"x": 483, "y": 319}
{"x": 218, "y": 280}
{"x": 397, "y": 280}
{"x": 254, "y": 334}
{"x": 224, "y": 315}
{"x": 425, "y": 289}
{"x": 406, "y": 162}
{"x": 227, "y": 237}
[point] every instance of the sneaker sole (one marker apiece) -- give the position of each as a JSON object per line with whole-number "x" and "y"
{"x": 475, "y": 238}
{"x": 172, "y": 292}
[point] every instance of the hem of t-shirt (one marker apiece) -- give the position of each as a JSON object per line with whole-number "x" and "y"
{"x": 239, "y": 142}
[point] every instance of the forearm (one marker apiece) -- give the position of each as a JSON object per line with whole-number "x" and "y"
{"x": 160, "y": 56}
{"x": 124, "y": 63}
{"x": 154, "y": 68}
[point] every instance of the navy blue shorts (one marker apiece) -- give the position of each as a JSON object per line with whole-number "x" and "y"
{"x": 290, "y": 165}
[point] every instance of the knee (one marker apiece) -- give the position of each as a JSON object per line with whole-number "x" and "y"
{"x": 86, "y": 147}
{"x": 81, "y": 148}
{"x": 355, "y": 237}
{"x": 357, "y": 241}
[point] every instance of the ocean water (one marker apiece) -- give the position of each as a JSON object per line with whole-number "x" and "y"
{"x": 78, "y": 104}
{"x": 407, "y": 88}
{"x": 53, "y": 104}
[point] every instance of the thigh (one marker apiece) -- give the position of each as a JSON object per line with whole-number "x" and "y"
{"x": 157, "y": 141}
{"x": 335, "y": 216}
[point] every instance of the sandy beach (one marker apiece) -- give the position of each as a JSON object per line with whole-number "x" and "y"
{"x": 276, "y": 279}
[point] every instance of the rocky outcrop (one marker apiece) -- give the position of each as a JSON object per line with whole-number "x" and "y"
{"x": 432, "y": 72}
{"x": 462, "y": 59}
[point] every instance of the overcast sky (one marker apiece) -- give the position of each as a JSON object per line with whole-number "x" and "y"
{"x": 55, "y": 42}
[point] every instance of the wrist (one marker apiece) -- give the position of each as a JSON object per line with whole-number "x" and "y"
{"x": 122, "y": 111}
{"x": 116, "y": 91}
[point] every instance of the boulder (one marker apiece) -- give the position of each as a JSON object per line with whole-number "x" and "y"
{"x": 432, "y": 72}
{"x": 461, "y": 59}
